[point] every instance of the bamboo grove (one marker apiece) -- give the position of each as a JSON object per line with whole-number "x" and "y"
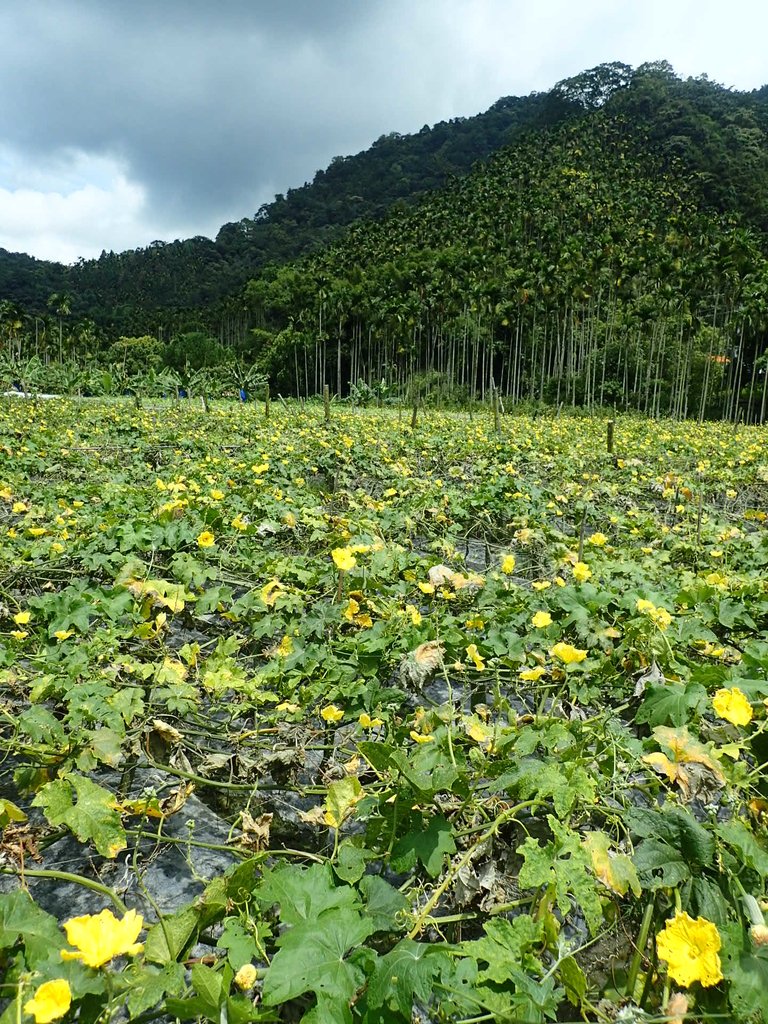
{"x": 578, "y": 269}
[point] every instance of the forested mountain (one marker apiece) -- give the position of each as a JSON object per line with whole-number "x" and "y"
{"x": 609, "y": 246}
{"x": 595, "y": 261}
{"x": 137, "y": 290}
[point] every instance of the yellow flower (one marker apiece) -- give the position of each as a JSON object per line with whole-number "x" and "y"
{"x": 598, "y": 539}
{"x": 22, "y": 618}
{"x": 567, "y": 653}
{"x": 51, "y": 1001}
{"x": 581, "y": 572}
{"x": 286, "y": 705}
{"x": 367, "y": 722}
{"x": 206, "y": 539}
{"x": 479, "y": 733}
{"x": 508, "y": 564}
{"x": 353, "y": 607}
{"x": 100, "y": 937}
{"x": 285, "y": 647}
{"x": 239, "y": 523}
{"x": 645, "y": 607}
{"x": 661, "y": 617}
{"x": 690, "y": 948}
{"x": 63, "y": 634}
{"x": 343, "y": 559}
{"x": 217, "y": 495}
{"x": 418, "y": 737}
{"x": 474, "y": 655}
{"x": 733, "y": 706}
{"x": 331, "y": 713}
{"x": 37, "y": 531}
{"x": 541, "y": 620}
{"x": 426, "y": 588}
{"x": 19, "y": 634}
{"x": 414, "y": 613}
{"x": 541, "y": 584}
{"x": 532, "y": 675}
{"x": 246, "y": 977}
{"x": 18, "y": 507}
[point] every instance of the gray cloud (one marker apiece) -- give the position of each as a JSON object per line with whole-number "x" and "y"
{"x": 207, "y": 110}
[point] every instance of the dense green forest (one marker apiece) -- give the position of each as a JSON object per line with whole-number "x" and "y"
{"x": 607, "y": 248}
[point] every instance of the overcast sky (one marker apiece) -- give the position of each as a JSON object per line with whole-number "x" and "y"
{"x": 126, "y": 121}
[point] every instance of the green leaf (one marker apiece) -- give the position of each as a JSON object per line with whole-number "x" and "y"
{"x": 40, "y": 724}
{"x": 209, "y": 986}
{"x": 406, "y": 973}
{"x": 704, "y": 899}
{"x": 350, "y": 861}
{"x": 505, "y": 946}
{"x": 340, "y": 801}
{"x": 21, "y": 918}
{"x": 677, "y": 827}
{"x": 659, "y": 866}
{"x": 565, "y": 865}
{"x": 428, "y": 769}
{"x": 430, "y": 846}
{"x": 730, "y": 612}
{"x": 304, "y": 893}
{"x": 378, "y": 755}
{"x": 574, "y": 981}
{"x": 746, "y": 970}
{"x": 564, "y": 784}
{"x": 312, "y": 958}
{"x": 383, "y": 903}
{"x": 736, "y": 834}
{"x": 240, "y": 946}
{"x": 167, "y": 939}
{"x": 615, "y": 870}
{"x": 88, "y": 810}
{"x": 146, "y": 985}
{"x": 673, "y": 703}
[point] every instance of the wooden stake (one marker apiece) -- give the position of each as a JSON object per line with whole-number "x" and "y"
{"x": 610, "y": 437}
{"x": 327, "y": 403}
{"x": 698, "y": 521}
{"x": 496, "y": 411}
{"x": 582, "y": 531}
{"x": 266, "y": 402}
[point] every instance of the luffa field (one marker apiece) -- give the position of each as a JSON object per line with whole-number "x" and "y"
{"x": 467, "y": 720}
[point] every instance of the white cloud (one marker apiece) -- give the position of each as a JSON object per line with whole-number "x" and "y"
{"x": 162, "y": 120}
{"x": 70, "y": 207}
